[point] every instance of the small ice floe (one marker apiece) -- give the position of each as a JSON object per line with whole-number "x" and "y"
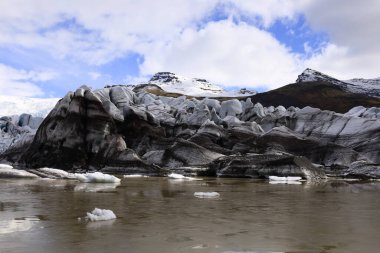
{"x": 100, "y": 215}
{"x": 200, "y": 246}
{"x": 7, "y": 171}
{"x": 284, "y": 180}
{"x": 206, "y": 195}
{"x": 134, "y": 176}
{"x": 96, "y": 177}
{"x": 182, "y": 177}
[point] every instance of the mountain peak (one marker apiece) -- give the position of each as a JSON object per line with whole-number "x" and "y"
{"x": 311, "y": 75}
{"x": 369, "y": 87}
{"x": 164, "y": 77}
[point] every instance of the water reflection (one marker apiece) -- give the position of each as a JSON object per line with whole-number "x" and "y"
{"x": 96, "y": 187}
{"x": 17, "y": 224}
{"x": 100, "y": 224}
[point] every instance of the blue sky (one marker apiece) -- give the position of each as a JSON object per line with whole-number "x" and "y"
{"x": 48, "y": 48}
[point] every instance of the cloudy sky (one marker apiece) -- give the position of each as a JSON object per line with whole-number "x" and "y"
{"x": 50, "y": 47}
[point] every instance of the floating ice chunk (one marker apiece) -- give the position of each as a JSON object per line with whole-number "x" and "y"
{"x": 276, "y": 178}
{"x": 206, "y": 195}
{"x": 55, "y": 173}
{"x": 100, "y": 214}
{"x": 96, "y": 177}
{"x": 294, "y": 178}
{"x": 182, "y": 177}
{"x": 176, "y": 176}
{"x": 134, "y": 175}
{"x": 5, "y": 166}
{"x": 284, "y": 180}
{"x": 7, "y": 171}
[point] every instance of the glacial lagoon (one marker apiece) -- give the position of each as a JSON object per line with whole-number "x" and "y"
{"x": 163, "y": 215}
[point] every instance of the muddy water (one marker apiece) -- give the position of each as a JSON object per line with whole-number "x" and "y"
{"x": 162, "y": 215}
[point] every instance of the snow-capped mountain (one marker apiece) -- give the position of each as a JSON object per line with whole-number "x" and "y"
{"x": 171, "y": 82}
{"x": 37, "y": 107}
{"x": 369, "y": 87}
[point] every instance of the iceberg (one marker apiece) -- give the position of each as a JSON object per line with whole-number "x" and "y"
{"x": 206, "y": 195}
{"x": 100, "y": 215}
{"x": 96, "y": 177}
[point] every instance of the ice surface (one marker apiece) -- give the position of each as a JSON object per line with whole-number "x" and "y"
{"x": 101, "y": 215}
{"x": 206, "y": 195}
{"x": 96, "y": 177}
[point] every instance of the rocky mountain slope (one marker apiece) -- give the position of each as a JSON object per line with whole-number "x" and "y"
{"x": 369, "y": 87}
{"x": 119, "y": 130}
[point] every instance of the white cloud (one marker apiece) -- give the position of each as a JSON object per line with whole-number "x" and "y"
{"x": 94, "y": 75}
{"x": 226, "y": 53}
{"x": 96, "y": 31}
{"x": 354, "y": 48}
{"x": 172, "y": 36}
{"x": 266, "y": 11}
{"x": 21, "y": 82}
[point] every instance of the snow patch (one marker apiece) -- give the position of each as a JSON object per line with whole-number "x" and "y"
{"x": 101, "y": 215}
{"x": 96, "y": 177}
{"x": 206, "y": 195}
